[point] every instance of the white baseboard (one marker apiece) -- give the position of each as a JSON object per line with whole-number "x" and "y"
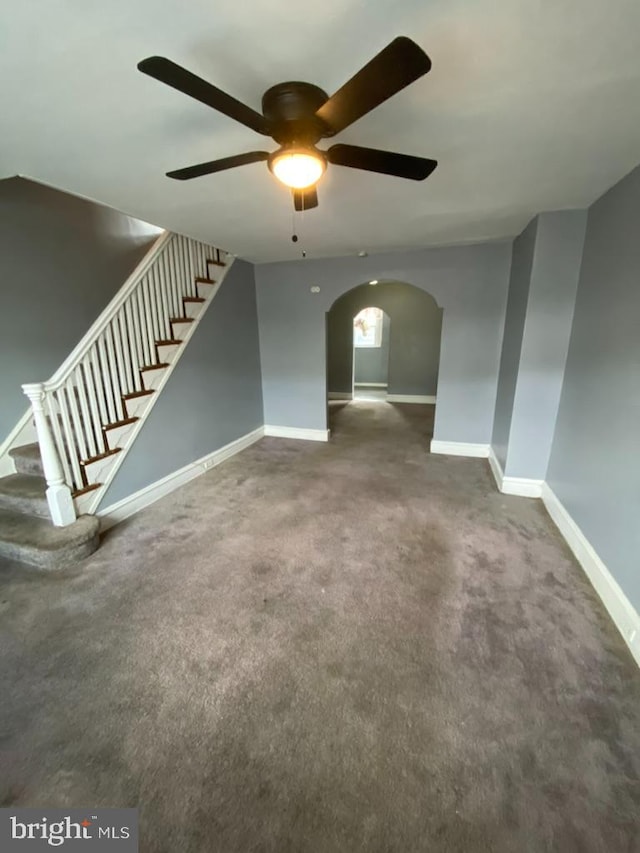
{"x": 128, "y": 506}
{"x": 296, "y": 432}
{"x": 496, "y": 468}
{"x": 410, "y": 398}
{"x": 521, "y": 486}
{"x": 460, "y": 448}
{"x": 370, "y": 385}
{"x": 623, "y": 613}
{"x": 340, "y": 395}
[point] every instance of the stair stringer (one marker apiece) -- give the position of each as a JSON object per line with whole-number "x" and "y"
{"x": 89, "y": 502}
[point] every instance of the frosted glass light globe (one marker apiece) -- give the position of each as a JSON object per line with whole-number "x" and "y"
{"x": 297, "y": 167}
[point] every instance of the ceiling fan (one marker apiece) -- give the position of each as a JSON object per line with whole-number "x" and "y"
{"x": 297, "y": 115}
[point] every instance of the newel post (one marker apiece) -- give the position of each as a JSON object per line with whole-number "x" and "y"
{"x": 58, "y": 492}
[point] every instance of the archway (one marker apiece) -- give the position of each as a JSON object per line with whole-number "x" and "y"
{"x": 414, "y": 331}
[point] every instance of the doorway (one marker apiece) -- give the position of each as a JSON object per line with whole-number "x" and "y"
{"x": 383, "y": 353}
{"x": 371, "y": 342}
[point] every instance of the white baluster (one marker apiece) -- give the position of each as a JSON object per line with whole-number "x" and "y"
{"x": 100, "y": 417}
{"x": 173, "y": 277}
{"x": 122, "y": 351}
{"x": 155, "y": 318}
{"x": 136, "y": 358}
{"x": 116, "y": 374}
{"x": 85, "y": 417}
{"x": 104, "y": 376}
{"x": 192, "y": 270}
{"x": 143, "y": 324}
{"x": 180, "y": 273}
{"x": 54, "y": 421}
{"x": 58, "y": 492}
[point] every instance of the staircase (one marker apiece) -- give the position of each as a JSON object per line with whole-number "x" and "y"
{"x": 65, "y": 451}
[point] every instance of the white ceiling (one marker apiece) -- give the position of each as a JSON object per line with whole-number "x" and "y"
{"x": 531, "y": 105}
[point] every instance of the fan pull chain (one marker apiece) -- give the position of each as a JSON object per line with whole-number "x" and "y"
{"x": 294, "y": 236}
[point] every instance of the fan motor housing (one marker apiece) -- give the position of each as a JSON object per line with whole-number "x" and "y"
{"x": 291, "y": 108}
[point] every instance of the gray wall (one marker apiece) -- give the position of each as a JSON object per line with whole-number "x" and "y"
{"x": 61, "y": 261}
{"x": 545, "y": 342}
{"x": 371, "y": 364}
{"x": 519, "y": 279}
{"x": 468, "y": 282}
{"x": 414, "y": 353}
{"x": 212, "y": 397}
{"x": 595, "y": 460}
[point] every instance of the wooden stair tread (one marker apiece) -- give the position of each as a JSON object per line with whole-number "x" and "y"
{"x": 181, "y": 320}
{"x": 202, "y": 280}
{"x": 168, "y": 343}
{"x": 193, "y": 299}
{"x": 135, "y": 394}
{"x": 117, "y": 424}
{"x": 162, "y": 364}
{"x": 100, "y": 456}
{"x": 217, "y": 263}
{"x": 85, "y": 490}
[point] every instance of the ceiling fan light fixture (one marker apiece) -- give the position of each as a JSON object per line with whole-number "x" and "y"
{"x": 298, "y": 168}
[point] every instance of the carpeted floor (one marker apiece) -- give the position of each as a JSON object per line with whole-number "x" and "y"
{"x": 318, "y": 648}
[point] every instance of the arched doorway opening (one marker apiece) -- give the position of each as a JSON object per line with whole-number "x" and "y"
{"x": 399, "y": 371}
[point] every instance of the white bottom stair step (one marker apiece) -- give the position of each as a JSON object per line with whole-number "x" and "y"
{"x": 27, "y": 459}
{"x": 24, "y": 493}
{"x": 37, "y": 542}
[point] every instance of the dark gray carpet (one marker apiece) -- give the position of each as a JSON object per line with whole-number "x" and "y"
{"x": 343, "y": 647}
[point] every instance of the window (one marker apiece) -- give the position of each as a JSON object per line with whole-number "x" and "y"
{"x": 367, "y": 328}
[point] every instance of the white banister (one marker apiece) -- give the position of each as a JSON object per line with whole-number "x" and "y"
{"x": 58, "y": 492}
{"x": 84, "y": 413}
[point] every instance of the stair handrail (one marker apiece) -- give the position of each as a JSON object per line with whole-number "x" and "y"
{"x": 100, "y": 324}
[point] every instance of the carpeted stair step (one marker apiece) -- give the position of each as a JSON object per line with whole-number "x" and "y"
{"x": 27, "y": 459}
{"x": 24, "y": 493}
{"x": 38, "y": 543}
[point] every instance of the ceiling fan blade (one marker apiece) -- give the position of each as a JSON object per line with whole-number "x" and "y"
{"x": 305, "y": 199}
{"x": 218, "y": 165}
{"x": 179, "y": 78}
{"x": 398, "y": 65}
{"x": 385, "y": 162}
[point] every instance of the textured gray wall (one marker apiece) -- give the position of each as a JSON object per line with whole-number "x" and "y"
{"x": 468, "y": 282}
{"x": 595, "y": 460}
{"x": 371, "y": 364}
{"x": 61, "y": 260}
{"x": 414, "y": 353}
{"x": 519, "y": 279}
{"x": 212, "y": 397}
{"x": 545, "y": 342}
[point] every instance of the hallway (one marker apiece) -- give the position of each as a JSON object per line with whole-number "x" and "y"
{"x": 328, "y": 648}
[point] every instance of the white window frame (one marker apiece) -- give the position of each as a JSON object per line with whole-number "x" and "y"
{"x": 362, "y": 342}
